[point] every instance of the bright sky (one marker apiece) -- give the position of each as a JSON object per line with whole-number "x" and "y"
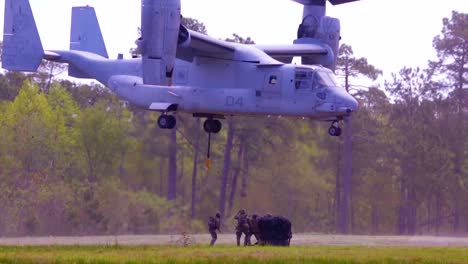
{"x": 390, "y": 33}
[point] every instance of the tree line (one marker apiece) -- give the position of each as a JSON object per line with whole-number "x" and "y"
{"x": 75, "y": 160}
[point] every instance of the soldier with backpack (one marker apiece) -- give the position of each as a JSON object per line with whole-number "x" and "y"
{"x": 242, "y": 227}
{"x": 253, "y": 224}
{"x": 214, "y": 223}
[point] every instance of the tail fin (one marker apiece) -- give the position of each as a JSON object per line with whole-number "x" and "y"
{"x": 85, "y": 31}
{"x": 22, "y": 47}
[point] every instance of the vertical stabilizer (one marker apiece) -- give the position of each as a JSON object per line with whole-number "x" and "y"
{"x": 85, "y": 32}
{"x": 160, "y": 25}
{"x": 22, "y": 47}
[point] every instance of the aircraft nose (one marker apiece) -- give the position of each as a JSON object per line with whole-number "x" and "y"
{"x": 346, "y": 102}
{"x": 352, "y": 103}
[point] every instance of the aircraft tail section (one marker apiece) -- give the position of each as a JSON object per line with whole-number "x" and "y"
{"x": 86, "y": 36}
{"x": 22, "y": 47}
{"x": 85, "y": 32}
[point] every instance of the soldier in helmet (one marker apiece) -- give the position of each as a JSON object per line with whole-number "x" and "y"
{"x": 242, "y": 227}
{"x": 253, "y": 224}
{"x": 214, "y": 223}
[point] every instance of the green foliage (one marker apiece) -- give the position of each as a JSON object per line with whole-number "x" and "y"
{"x": 103, "y": 130}
{"x": 194, "y": 24}
{"x": 353, "y": 67}
{"x": 28, "y": 126}
{"x": 452, "y": 50}
{"x": 238, "y": 39}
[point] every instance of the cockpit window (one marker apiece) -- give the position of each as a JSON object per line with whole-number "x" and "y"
{"x": 326, "y": 79}
{"x": 303, "y": 79}
{"x": 310, "y": 79}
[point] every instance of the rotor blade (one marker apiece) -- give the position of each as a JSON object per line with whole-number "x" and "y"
{"x": 322, "y": 2}
{"x": 311, "y": 2}
{"x": 339, "y": 2}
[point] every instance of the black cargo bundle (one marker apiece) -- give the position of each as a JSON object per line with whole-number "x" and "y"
{"x": 275, "y": 230}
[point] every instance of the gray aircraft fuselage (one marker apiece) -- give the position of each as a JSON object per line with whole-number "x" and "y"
{"x": 224, "y": 87}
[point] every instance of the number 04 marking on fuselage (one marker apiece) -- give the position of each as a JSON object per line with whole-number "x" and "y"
{"x": 234, "y": 101}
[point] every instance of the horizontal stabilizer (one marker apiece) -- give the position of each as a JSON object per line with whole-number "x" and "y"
{"x": 22, "y": 47}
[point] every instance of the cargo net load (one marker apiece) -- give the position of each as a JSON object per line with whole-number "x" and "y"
{"x": 274, "y": 230}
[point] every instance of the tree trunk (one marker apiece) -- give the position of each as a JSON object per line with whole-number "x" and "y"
{"x": 344, "y": 224}
{"x": 438, "y": 218}
{"x": 161, "y": 178}
{"x": 194, "y": 173}
{"x": 226, "y": 165}
{"x": 374, "y": 218}
{"x": 338, "y": 190}
{"x": 456, "y": 209}
{"x": 245, "y": 173}
{"x": 49, "y": 81}
{"x": 235, "y": 177}
{"x": 402, "y": 210}
{"x": 412, "y": 221}
{"x": 429, "y": 213}
{"x": 172, "y": 176}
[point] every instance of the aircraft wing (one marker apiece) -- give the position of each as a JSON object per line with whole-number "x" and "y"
{"x": 203, "y": 45}
{"x": 293, "y": 50}
{"x": 285, "y": 53}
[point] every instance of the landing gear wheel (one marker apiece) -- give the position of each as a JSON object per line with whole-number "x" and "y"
{"x": 338, "y": 132}
{"x": 212, "y": 126}
{"x": 172, "y": 122}
{"x": 334, "y": 130}
{"x": 217, "y": 126}
{"x": 167, "y": 121}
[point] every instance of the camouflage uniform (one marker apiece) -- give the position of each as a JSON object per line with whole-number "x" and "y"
{"x": 253, "y": 224}
{"x": 242, "y": 227}
{"x": 214, "y": 223}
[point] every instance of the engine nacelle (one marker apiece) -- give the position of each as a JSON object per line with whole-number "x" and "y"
{"x": 327, "y": 60}
{"x": 160, "y": 25}
{"x": 183, "y": 40}
{"x": 184, "y": 37}
{"x": 321, "y": 30}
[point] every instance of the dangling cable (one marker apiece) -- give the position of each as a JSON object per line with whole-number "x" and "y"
{"x": 208, "y": 161}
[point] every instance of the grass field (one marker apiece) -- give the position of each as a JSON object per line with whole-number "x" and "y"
{"x": 231, "y": 254}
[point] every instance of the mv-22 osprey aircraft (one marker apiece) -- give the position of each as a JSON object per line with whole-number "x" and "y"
{"x": 184, "y": 71}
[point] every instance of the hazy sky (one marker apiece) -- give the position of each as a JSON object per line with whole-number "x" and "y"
{"x": 390, "y": 33}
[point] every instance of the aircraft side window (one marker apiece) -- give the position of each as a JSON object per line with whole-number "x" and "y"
{"x": 273, "y": 80}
